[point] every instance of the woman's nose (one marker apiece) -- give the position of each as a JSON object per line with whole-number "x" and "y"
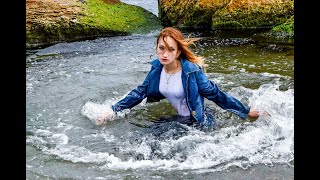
{"x": 165, "y": 54}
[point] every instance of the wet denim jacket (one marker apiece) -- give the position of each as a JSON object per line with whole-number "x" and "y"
{"x": 196, "y": 86}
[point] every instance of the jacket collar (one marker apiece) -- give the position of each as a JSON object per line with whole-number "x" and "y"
{"x": 187, "y": 66}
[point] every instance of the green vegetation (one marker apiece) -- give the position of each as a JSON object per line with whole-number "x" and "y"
{"x": 118, "y": 17}
{"x": 287, "y": 27}
{"x": 257, "y": 17}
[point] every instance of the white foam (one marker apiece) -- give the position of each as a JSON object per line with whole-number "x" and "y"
{"x": 59, "y": 139}
{"x": 267, "y": 140}
{"x": 93, "y": 111}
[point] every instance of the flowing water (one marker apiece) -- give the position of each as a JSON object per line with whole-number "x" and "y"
{"x": 69, "y": 84}
{"x": 149, "y": 5}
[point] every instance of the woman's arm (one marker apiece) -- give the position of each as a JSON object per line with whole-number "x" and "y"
{"x": 132, "y": 99}
{"x": 210, "y": 90}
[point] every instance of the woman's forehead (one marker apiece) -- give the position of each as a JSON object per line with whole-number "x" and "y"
{"x": 169, "y": 40}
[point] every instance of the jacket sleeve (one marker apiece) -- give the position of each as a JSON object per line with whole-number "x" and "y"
{"x": 210, "y": 90}
{"x": 133, "y": 98}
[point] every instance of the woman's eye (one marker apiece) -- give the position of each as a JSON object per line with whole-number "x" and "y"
{"x": 161, "y": 48}
{"x": 171, "y": 49}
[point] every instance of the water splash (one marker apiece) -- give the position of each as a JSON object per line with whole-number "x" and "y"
{"x": 267, "y": 140}
{"x": 95, "y": 111}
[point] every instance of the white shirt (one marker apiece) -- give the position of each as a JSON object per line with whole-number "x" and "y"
{"x": 171, "y": 87}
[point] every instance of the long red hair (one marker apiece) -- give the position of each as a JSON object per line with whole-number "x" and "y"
{"x": 183, "y": 44}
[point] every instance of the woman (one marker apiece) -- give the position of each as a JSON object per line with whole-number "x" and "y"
{"x": 178, "y": 75}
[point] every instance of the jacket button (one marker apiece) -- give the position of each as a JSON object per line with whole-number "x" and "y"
{"x": 194, "y": 113}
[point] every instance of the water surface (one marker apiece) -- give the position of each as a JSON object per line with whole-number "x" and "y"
{"x": 69, "y": 83}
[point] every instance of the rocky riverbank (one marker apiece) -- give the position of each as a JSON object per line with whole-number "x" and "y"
{"x": 53, "y": 21}
{"x": 276, "y": 15}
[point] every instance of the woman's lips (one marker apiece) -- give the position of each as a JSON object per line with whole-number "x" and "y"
{"x": 164, "y": 60}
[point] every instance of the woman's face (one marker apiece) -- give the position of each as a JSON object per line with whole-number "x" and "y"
{"x": 165, "y": 55}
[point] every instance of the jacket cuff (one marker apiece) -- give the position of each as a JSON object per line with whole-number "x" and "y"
{"x": 244, "y": 115}
{"x": 115, "y": 108}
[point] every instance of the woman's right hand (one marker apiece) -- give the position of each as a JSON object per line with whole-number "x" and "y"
{"x": 104, "y": 117}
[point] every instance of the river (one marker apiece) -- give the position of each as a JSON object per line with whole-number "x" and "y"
{"x": 69, "y": 83}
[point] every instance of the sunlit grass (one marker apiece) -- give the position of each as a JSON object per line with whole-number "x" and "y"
{"x": 119, "y": 17}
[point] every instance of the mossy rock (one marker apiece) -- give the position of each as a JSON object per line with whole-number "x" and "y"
{"x": 97, "y": 18}
{"x": 267, "y": 16}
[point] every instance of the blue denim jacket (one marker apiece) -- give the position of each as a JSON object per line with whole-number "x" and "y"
{"x": 196, "y": 86}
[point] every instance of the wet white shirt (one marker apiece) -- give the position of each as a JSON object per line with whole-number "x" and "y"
{"x": 171, "y": 87}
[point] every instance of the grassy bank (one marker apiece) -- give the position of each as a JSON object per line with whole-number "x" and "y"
{"x": 97, "y": 18}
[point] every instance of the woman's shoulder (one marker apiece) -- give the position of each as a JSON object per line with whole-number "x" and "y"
{"x": 189, "y": 66}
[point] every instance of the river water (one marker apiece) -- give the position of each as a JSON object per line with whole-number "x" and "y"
{"x": 149, "y": 5}
{"x": 68, "y": 84}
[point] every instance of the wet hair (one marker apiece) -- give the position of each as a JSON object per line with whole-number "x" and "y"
{"x": 183, "y": 44}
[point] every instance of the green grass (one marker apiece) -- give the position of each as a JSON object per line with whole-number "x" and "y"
{"x": 287, "y": 27}
{"x": 118, "y": 17}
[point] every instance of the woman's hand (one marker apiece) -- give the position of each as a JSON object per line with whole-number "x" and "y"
{"x": 106, "y": 115}
{"x": 253, "y": 113}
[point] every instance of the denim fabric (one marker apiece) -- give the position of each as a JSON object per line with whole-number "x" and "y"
{"x": 196, "y": 87}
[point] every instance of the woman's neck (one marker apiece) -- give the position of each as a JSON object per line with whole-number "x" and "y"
{"x": 172, "y": 68}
